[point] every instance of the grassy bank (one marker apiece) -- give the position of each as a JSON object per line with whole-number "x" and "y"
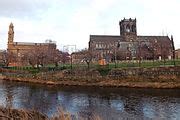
{"x": 129, "y": 82}
{"x": 20, "y": 114}
{"x": 118, "y": 64}
{"x": 156, "y": 77}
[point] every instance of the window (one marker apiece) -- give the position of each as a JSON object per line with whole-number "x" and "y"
{"x": 133, "y": 28}
{"x": 97, "y": 46}
{"x": 128, "y": 28}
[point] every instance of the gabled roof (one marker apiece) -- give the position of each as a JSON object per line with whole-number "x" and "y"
{"x": 31, "y": 43}
{"x": 160, "y": 39}
{"x": 110, "y": 38}
{"x": 154, "y": 37}
{"x": 101, "y": 38}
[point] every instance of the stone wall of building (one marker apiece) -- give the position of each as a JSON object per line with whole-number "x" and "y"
{"x": 20, "y": 49}
{"x": 177, "y": 54}
{"x": 128, "y": 45}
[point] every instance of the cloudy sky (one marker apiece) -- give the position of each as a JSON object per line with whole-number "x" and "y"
{"x": 70, "y": 22}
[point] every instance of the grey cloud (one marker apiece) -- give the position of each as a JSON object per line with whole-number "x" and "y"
{"x": 23, "y": 8}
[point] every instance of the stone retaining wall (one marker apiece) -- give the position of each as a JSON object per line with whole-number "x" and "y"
{"x": 173, "y": 72}
{"x": 93, "y": 74}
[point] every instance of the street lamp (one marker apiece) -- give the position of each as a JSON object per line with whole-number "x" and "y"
{"x": 173, "y": 50}
{"x": 115, "y": 52}
{"x": 139, "y": 44}
{"x": 72, "y": 49}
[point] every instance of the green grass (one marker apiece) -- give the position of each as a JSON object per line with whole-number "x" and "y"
{"x": 102, "y": 69}
{"x": 145, "y": 64}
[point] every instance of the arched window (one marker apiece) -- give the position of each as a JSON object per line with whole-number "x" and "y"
{"x": 127, "y": 28}
{"x": 133, "y": 28}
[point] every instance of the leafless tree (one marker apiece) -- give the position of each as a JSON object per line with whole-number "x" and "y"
{"x": 64, "y": 57}
{"x": 36, "y": 57}
{"x": 54, "y": 56}
{"x": 8, "y": 57}
{"x": 88, "y": 56}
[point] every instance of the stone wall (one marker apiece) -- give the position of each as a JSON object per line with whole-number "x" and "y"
{"x": 148, "y": 73}
{"x": 137, "y": 74}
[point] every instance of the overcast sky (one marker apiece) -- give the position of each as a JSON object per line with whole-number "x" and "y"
{"x": 70, "y": 22}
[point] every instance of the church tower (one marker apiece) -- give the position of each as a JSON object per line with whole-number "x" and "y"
{"x": 11, "y": 34}
{"x": 128, "y": 29}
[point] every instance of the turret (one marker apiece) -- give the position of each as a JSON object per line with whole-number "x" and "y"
{"x": 128, "y": 27}
{"x": 11, "y": 33}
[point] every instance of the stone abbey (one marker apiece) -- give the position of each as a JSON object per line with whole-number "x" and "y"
{"x": 19, "y": 49}
{"x": 128, "y": 45}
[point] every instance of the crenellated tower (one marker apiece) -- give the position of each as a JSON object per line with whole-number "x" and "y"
{"x": 128, "y": 29}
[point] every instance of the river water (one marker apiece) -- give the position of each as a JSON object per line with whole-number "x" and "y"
{"x": 107, "y": 103}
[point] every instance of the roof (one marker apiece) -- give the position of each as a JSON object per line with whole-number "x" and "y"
{"x": 29, "y": 43}
{"x": 160, "y": 39}
{"x": 2, "y": 50}
{"x": 100, "y": 38}
{"x": 110, "y": 38}
{"x": 154, "y": 37}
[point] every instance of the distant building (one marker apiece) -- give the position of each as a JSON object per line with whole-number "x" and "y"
{"x": 2, "y": 57}
{"x": 177, "y": 54}
{"x": 79, "y": 57}
{"x": 20, "y": 48}
{"x": 128, "y": 45}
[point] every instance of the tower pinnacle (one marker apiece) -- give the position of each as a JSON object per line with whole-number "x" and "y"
{"x": 11, "y": 33}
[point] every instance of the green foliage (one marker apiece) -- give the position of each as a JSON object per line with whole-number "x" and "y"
{"x": 103, "y": 70}
{"x": 34, "y": 71}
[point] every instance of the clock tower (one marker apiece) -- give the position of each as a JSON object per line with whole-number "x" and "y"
{"x": 128, "y": 29}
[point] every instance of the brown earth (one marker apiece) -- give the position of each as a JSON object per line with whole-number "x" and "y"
{"x": 134, "y": 83}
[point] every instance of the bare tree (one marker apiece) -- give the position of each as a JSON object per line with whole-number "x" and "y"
{"x": 87, "y": 59}
{"x": 88, "y": 56}
{"x": 84, "y": 55}
{"x": 54, "y": 56}
{"x": 36, "y": 57}
{"x": 64, "y": 57}
{"x": 8, "y": 57}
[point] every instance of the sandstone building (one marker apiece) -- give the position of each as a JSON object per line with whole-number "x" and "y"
{"x": 128, "y": 45}
{"x": 19, "y": 49}
{"x": 177, "y": 54}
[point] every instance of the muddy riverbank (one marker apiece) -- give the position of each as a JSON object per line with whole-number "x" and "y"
{"x": 100, "y": 83}
{"x": 163, "y": 77}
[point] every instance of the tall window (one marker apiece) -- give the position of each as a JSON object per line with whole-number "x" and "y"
{"x": 128, "y": 28}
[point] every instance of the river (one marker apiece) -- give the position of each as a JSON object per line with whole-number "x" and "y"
{"x": 108, "y": 103}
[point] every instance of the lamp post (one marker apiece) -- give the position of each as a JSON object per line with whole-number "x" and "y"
{"x": 115, "y": 58}
{"x": 173, "y": 50}
{"x": 71, "y": 61}
{"x": 72, "y": 49}
{"x": 153, "y": 50}
{"x": 139, "y": 44}
{"x": 115, "y": 53}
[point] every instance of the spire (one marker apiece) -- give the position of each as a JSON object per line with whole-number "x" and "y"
{"x": 172, "y": 37}
{"x": 11, "y": 24}
{"x": 11, "y": 33}
{"x": 172, "y": 43}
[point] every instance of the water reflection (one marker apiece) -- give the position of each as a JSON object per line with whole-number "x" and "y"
{"x": 109, "y": 104}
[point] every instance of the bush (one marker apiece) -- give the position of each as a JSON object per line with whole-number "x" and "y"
{"x": 103, "y": 70}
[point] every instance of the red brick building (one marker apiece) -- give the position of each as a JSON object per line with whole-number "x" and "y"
{"x": 19, "y": 49}
{"x": 128, "y": 45}
{"x": 177, "y": 54}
